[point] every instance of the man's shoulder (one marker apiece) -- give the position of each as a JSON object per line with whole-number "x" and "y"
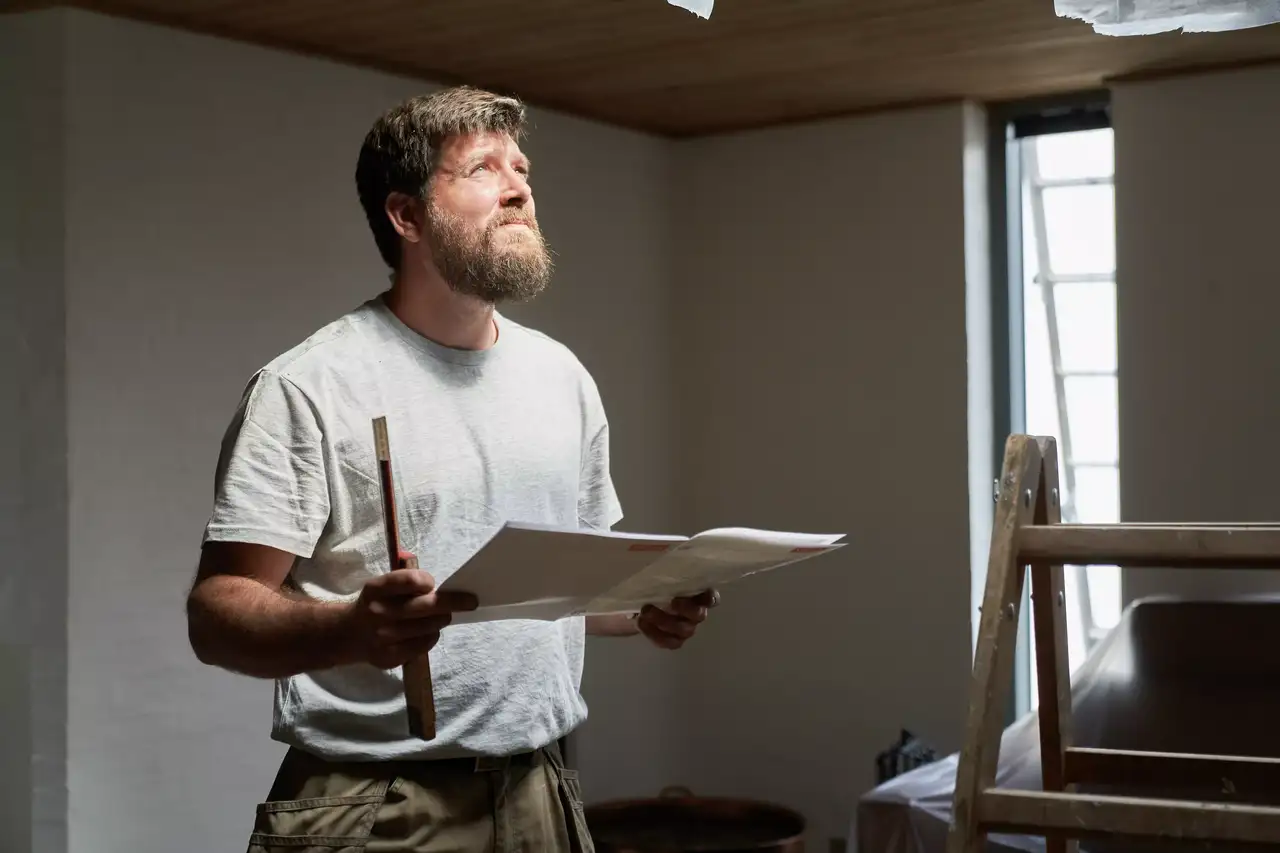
{"x": 332, "y": 345}
{"x": 545, "y": 348}
{"x": 301, "y": 373}
{"x": 556, "y": 359}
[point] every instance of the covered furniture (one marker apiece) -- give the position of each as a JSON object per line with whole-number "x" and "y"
{"x": 1172, "y": 676}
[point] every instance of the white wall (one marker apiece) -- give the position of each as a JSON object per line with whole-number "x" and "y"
{"x": 822, "y": 284}
{"x": 1198, "y": 209}
{"x": 15, "y": 645}
{"x": 212, "y": 221}
{"x": 777, "y": 321}
{"x": 33, "y": 424}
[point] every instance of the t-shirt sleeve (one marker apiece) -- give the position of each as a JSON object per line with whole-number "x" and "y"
{"x": 270, "y": 486}
{"x": 598, "y": 504}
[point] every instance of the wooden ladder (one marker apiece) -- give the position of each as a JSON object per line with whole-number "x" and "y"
{"x": 1028, "y": 531}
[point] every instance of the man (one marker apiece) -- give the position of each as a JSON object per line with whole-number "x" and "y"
{"x": 490, "y": 421}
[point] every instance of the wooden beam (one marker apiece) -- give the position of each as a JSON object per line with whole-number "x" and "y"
{"x": 1083, "y": 816}
{"x": 992, "y": 674}
{"x": 1153, "y": 546}
{"x": 1229, "y": 773}
{"x": 1048, "y": 603}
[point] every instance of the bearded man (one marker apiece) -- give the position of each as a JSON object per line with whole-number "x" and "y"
{"x": 492, "y": 422}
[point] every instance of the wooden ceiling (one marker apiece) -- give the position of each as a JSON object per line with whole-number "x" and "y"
{"x": 649, "y": 65}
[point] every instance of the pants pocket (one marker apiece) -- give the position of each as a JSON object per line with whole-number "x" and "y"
{"x": 315, "y": 825}
{"x": 575, "y": 820}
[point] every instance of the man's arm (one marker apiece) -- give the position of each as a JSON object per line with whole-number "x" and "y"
{"x": 612, "y": 625}
{"x": 238, "y": 617}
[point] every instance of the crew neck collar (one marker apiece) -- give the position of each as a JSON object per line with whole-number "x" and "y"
{"x": 454, "y": 355}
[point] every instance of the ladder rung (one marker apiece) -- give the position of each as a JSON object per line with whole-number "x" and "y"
{"x": 1163, "y": 546}
{"x": 1080, "y": 816}
{"x": 1228, "y": 773}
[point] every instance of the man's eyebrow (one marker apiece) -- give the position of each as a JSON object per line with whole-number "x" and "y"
{"x": 484, "y": 155}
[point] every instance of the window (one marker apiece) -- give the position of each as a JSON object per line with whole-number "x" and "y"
{"x": 1069, "y": 340}
{"x": 1062, "y": 342}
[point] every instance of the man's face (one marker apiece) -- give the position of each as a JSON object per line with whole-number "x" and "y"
{"x": 480, "y": 224}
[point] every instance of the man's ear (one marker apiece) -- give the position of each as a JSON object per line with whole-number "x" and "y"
{"x": 407, "y": 215}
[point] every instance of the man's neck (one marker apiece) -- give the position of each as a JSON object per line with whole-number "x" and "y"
{"x": 437, "y": 312}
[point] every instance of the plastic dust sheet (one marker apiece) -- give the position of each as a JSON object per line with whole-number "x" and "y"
{"x": 1173, "y": 676}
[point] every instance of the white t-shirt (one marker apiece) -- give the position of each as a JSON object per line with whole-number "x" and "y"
{"x": 514, "y": 432}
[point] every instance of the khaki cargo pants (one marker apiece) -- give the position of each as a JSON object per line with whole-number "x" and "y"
{"x": 527, "y": 802}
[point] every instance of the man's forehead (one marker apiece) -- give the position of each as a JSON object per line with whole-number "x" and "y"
{"x": 467, "y": 145}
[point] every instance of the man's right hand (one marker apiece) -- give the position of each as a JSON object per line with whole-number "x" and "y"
{"x": 399, "y": 616}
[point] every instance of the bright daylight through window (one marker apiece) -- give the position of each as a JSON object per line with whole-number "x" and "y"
{"x": 1069, "y": 318}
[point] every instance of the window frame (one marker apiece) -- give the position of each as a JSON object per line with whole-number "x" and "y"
{"x": 1009, "y": 122}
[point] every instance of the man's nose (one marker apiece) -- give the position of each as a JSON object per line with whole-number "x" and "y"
{"x": 516, "y": 192}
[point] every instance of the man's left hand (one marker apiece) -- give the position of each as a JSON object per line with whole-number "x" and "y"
{"x": 672, "y": 626}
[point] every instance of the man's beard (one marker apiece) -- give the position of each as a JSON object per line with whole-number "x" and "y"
{"x": 471, "y": 262}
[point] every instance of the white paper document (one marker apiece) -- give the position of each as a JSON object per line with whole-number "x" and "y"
{"x": 531, "y": 572}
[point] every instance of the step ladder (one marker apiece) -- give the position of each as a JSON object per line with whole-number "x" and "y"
{"x": 1028, "y": 532}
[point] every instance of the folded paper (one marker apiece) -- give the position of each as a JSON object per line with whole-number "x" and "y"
{"x": 530, "y": 571}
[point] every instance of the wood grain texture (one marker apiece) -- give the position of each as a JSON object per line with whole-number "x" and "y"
{"x": 997, "y": 639}
{"x": 1230, "y": 774}
{"x": 1083, "y": 816}
{"x": 648, "y": 65}
{"x": 1148, "y": 546}
{"x": 419, "y": 694}
{"x": 1053, "y": 665}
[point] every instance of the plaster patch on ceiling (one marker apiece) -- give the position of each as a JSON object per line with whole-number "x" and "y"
{"x": 701, "y": 8}
{"x": 1147, "y": 17}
